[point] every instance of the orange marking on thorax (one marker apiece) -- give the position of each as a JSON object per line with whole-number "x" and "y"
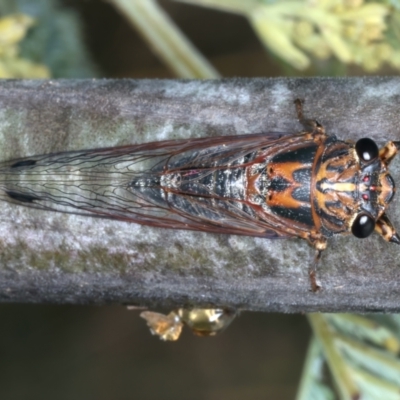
{"x": 285, "y": 198}
{"x": 285, "y": 170}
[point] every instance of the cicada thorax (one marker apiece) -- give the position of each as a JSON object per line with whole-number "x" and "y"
{"x": 336, "y": 188}
{"x": 289, "y": 184}
{"x": 321, "y": 188}
{"x": 283, "y": 186}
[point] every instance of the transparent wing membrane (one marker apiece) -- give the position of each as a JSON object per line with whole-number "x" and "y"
{"x": 136, "y": 183}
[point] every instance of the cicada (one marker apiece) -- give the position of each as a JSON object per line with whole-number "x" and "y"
{"x": 308, "y": 185}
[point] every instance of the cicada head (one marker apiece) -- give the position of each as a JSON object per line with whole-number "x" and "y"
{"x": 376, "y": 189}
{"x": 354, "y": 189}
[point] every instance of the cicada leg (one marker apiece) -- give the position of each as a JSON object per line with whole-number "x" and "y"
{"x": 389, "y": 151}
{"x": 385, "y": 228}
{"x": 317, "y": 130}
{"x": 319, "y": 243}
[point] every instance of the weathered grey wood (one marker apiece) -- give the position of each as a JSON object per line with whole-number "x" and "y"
{"x": 50, "y": 257}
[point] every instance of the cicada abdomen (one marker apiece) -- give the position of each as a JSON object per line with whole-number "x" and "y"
{"x": 308, "y": 185}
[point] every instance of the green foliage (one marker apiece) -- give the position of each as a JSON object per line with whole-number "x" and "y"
{"x": 314, "y": 385}
{"x": 13, "y": 29}
{"x": 302, "y": 31}
{"x": 360, "y": 353}
{"x": 55, "y": 39}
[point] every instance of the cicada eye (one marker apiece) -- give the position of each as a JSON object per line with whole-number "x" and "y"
{"x": 367, "y": 150}
{"x": 363, "y": 226}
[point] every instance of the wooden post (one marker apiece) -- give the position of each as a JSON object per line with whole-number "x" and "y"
{"x": 57, "y": 258}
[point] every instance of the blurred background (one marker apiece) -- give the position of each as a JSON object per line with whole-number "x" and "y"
{"x": 83, "y": 352}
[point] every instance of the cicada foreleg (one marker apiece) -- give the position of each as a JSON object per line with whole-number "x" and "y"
{"x": 386, "y": 229}
{"x": 389, "y": 151}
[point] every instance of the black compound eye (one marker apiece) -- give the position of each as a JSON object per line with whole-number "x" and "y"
{"x": 363, "y": 226}
{"x": 367, "y": 150}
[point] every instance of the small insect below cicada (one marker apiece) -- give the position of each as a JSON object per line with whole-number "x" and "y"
{"x": 201, "y": 321}
{"x": 309, "y": 185}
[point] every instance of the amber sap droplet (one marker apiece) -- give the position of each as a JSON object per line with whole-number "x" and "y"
{"x": 201, "y": 321}
{"x": 206, "y": 321}
{"x": 166, "y": 327}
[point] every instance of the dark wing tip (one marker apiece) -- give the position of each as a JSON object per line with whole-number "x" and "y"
{"x": 23, "y": 163}
{"x": 22, "y": 197}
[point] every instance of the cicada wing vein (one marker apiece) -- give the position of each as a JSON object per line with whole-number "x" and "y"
{"x": 124, "y": 183}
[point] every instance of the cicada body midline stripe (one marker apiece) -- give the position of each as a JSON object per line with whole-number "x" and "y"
{"x": 309, "y": 185}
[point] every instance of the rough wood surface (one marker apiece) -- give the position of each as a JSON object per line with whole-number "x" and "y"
{"x": 54, "y": 258}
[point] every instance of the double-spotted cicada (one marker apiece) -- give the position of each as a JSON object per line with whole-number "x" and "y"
{"x": 309, "y": 185}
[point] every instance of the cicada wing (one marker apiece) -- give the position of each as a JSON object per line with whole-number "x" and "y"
{"x": 124, "y": 183}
